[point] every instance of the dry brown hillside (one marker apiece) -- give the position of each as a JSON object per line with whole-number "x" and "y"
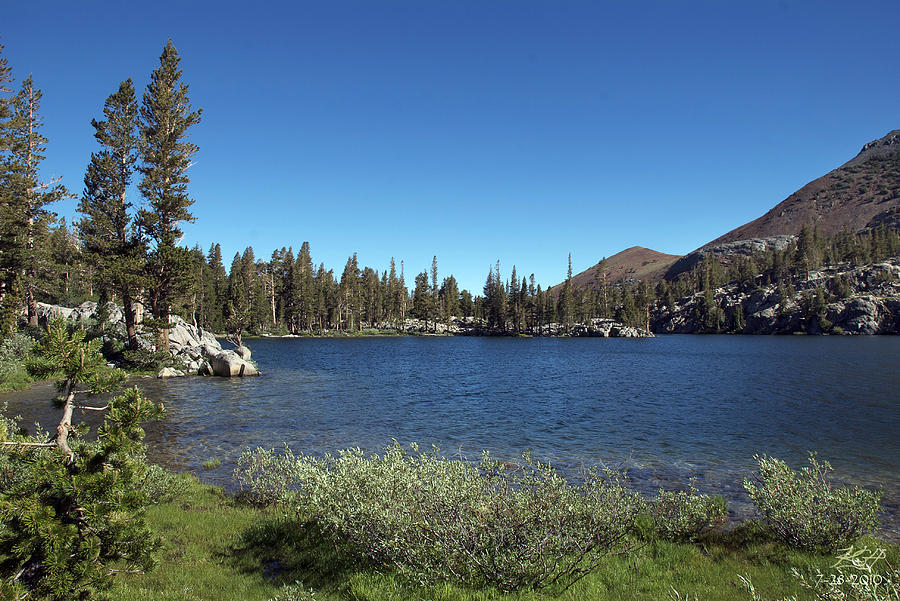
{"x": 637, "y": 263}
{"x": 862, "y": 193}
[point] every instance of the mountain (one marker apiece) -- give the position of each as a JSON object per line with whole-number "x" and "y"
{"x": 635, "y": 263}
{"x": 862, "y": 193}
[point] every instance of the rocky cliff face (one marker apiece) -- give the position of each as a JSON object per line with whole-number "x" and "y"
{"x": 869, "y": 304}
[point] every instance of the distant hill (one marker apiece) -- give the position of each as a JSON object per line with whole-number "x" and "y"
{"x": 862, "y": 193}
{"x": 635, "y": 263}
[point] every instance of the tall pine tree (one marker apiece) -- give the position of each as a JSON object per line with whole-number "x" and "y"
{"x": 9, "y": 299}
{"x": 167, "y": 116}
{"x": 25, "y": 214}
{"x": 106, "y": 227}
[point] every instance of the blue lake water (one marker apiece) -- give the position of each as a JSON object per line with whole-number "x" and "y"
{"x": 667, "y": 409}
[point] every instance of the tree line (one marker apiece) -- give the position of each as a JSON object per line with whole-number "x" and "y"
{"x": 115, "y": 252}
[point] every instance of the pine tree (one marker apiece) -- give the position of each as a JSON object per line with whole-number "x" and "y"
{"x": 74, "y": 514}
{"x": 433, "y": 305}
{"x": 107, "y": 232}
{"x": 237, "y": 313}
{"x": 305, "y": 288}
{"x": 449, "y": 294}
{"x": 421, "y": 303}
{"x": 9, "y": 215}
{"x": 167, "y": 116}
{"x": 217, "y": 290}
{"x": 66, "y": 281}
{"x": 350, "y": 293}
{"x": 24, "y": 208}
{"x": 567, "y": 299}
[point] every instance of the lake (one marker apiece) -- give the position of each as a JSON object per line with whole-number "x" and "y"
{"x": 667, "y": 409}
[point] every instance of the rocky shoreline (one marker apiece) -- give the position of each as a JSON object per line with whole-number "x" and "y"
{"x": 196, "y": 350}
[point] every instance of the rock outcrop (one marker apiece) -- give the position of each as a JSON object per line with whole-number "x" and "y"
{"x": 727, "y": 252}
{"x": 196, "y": 349}
{"x": 864, "y": 300}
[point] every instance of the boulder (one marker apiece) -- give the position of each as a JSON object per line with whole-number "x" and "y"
{"x": 168, "y": 372}
{"x": 229, "y": 364}
{"x": 243, "y": 352}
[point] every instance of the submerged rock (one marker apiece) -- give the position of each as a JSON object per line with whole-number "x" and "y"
{"x": 170, "y": 372}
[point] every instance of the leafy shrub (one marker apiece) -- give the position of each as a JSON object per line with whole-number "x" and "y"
{"x": 805, "y": 511}
{"x": 685, "y": 515}
{"x": 14, "y": 351}
{"x": 266, "y": 478}
{"x": 483, "y": 524}
{"x": 162, "y": 486}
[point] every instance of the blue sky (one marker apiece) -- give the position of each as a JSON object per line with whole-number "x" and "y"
{"x": 517, "y": 131}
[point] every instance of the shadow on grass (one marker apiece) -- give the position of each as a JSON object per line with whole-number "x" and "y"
{"x": 288, "y": 550}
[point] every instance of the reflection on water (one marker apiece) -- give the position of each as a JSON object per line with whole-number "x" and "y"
{"x": 667, "y": 409}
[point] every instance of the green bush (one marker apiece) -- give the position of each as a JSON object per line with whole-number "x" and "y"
{"x": 162, "y": 486}
{"x": 684, "y": 515}
{"x": 485, "y": 524}
{"x": 14, "y": 351}
{"x": 266, "y": 478}
{"x": 805, "y": 511}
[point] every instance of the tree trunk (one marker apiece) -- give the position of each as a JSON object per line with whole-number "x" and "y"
{"x": 272, "y": 282}
{"x": 130, "y": 320}
{"x": 65, "y": 424}
{"x": 31, "y": 303}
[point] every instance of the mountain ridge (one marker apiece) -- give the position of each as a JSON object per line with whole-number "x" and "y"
{"x": 860, "y": 194}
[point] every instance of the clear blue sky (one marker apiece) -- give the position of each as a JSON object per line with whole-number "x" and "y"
{"x": 482, "y": 130}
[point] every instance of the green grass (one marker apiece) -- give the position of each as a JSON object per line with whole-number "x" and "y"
{"x": 16, "y": 379}
{"x": 217, "y": 549}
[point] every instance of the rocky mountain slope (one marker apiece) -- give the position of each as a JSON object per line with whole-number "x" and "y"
{"x": 862, "y": 193}
{"x": 861, "y": 300}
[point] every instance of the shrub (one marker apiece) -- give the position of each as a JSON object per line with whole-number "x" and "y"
{"x": 805, "y": 511}
{"x": 685, "y": 515}
{"x": 266, "y": 478}
{"x": 14, "y": 351}
{"x": 162, "y": 486}
{"x": 483, "y": 524}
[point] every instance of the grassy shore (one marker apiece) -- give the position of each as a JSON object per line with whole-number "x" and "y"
{"x": 218, "y": 549}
